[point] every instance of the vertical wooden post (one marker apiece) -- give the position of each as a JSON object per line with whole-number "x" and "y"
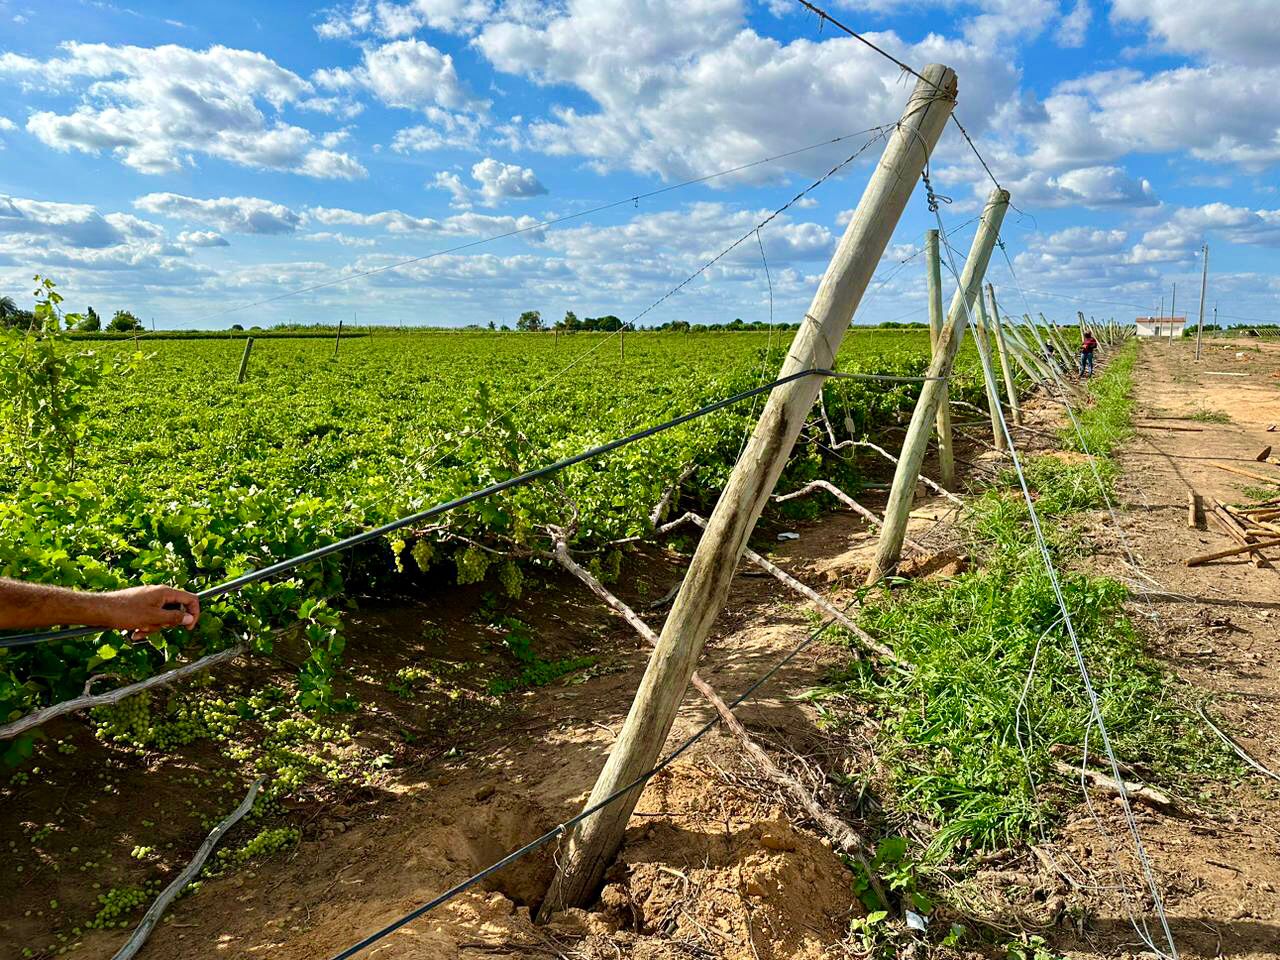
{"x": 933, "y": 270}
{"x": 889, "y": 549}
{"x": 1010, "y": 387}
{"x": 337, "y": 341}
{"x": 622, "y": 342}
{"x": 592, "y": 844}
{"x": 1173, "y": 311}
{"x": 244, "y": 360}
{"x": 1204, "y": 282}
{"x": 983, "y": 343}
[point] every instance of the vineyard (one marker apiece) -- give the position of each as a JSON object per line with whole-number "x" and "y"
{"x": 456, "y": 590}
{"x": 185, "y": 477}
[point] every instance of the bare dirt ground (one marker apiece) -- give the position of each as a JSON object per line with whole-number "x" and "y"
{"x": 1217, "y": 856}
{"x": 716, "y": 862}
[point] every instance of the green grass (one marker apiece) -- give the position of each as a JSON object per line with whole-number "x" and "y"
{"x": 1210, "y": 416}
{"x": 994, "y": 682}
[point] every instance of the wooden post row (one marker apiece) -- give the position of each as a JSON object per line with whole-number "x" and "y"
{"x": 1011, "y": 388}
{"x": 889, "y": 549}
{"x": 946, "y": 449}
{"x": 983, "y": 343}
{"x": 592, "y": 844}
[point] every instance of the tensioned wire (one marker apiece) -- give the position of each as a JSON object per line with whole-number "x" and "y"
{"x": 525, "y": 398}
{"x": 638, "y": 782}
{"x": 284, "y": 566}
{"x": 1077, "y": 650}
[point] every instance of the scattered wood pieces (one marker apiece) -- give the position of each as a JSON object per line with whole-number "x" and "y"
{"x": 1194, "y": 510}
{"x": 1232, "y": 526}
{"x": 1165, "y": 426}
{"x": 1266, "y": 452}
{"x": 1204, "y": 558}
{"x": 1246, "y": 473}
{"x": 1133, "y": 791}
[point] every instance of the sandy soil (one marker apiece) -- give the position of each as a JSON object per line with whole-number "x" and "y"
{"x": 1218, "y": 628}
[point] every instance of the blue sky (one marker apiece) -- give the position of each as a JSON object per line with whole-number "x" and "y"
{"x": 185, "y": 161}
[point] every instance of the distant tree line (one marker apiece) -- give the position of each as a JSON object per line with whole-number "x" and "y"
{"x": 13, "y": 316}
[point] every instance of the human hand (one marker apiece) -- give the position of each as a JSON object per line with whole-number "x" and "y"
{"x": 140, "y": 611}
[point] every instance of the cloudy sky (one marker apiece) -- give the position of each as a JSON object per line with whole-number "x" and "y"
{"x": 185, "y": 161}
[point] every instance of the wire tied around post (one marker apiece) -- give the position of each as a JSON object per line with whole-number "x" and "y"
{"x": 935, "y": 199}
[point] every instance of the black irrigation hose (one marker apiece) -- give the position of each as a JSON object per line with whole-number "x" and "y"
{"x": 562, "y": 828}
{"x": 283, "y": 566}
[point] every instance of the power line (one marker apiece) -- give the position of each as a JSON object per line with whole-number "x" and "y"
{"x": 540, "y": 225}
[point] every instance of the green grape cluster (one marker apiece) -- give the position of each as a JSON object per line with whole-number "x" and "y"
{"x": 128, "y": 721}
{"x": 119, "y": 902}
{"x": 423, "y": 553}
{"x": 267, "y": 842}
{"x": 472, "y": 563}
{"x": 512, "y": 579}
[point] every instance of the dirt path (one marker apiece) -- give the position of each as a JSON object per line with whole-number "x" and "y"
{"x": 1218, "y": 628}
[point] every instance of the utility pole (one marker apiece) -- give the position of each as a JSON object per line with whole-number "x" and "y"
{"x": 1204, "y": 282}
{"x": 933, "y": 271}
{"x": 592, "y": 844}
{"x": 894, "y": 530}
{"x": 1173, "y": 311}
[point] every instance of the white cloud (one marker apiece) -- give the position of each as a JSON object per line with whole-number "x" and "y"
{"x": 157, "y": 108}
{"x": 202, "y": 238}
{"x": 343, "y": 239}
{"x": 410, "y": 74}
{"x": 696, "y": 90}
{"x": 398, "y": 222}
{"x": 230, "y": 214}
{"x": 7, "y": 125}
{"x": 1234, "y": 31}
{"x": 1073, "y": 29}
{"x": 500, "y": 181}
{"x": 392, "y": 20}
{"x": 74, "y": 224}
{"x": 1178, "y": 238}
{"x": 459, "y": 131}
{"x": 461, "y": 193}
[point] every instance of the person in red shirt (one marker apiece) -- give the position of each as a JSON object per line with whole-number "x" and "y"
{"x": 1087, "y": 348}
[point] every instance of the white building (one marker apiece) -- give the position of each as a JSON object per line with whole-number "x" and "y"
{"x": 1160, "y": 326}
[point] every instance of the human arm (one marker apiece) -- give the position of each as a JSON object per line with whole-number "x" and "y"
{"x": 136, "y": 610}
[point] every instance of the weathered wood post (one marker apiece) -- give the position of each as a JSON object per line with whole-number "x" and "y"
{"x": 946, "y": 450}
{"x": 1204, "y": 282}
{"x": 337, "y": 341}
{"x": 889, "y": 549}
{"x": 1003, "y": 349}
{"x": 244, "y": 360}
{"x": 983, "y": 343}
{"x": 592, "y": 844}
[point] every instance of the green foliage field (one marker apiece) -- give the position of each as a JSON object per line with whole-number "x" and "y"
{"x": 183, "y": 476}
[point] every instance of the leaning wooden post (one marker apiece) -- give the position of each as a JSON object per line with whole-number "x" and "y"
{"x": 592, "y": 844}
{"x": 946, "y": 449}
{"x": 983, "y": 343}
{"x": 244, "y": 360}
{"x": 1003, "y": 349}
{"x": 337, "y": 341}
{"x": 889, "y": 549}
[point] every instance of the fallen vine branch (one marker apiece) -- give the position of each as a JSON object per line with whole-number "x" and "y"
{"x": 892, "y": 459}
{"x": 189, "y": 872}
{"x": 847, "y": 500}
{"x": 45, "y": 714}
{"x": 805, "y": 591}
